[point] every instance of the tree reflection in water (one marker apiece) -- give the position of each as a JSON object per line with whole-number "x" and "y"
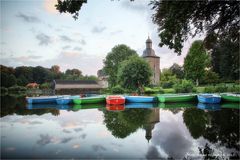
{"x": 218, "y": 127}
{"x": 122, "y": 124}
{"x": 17, "y": 105}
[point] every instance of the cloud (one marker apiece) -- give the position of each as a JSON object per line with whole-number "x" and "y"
{"x": 78, "y": 129}
{"x": 116, "y": 32}
{"x": 75, "y": 146}
{"x": 175, "y": 141}
{"x": 27, "y": 18}
{"x": 44, "y": 139}
{"x": 66, "y": 131}
{"x": 152, "y": 153}
{"x": 83, "y": 42}
{"x": 139, "y": 6}
{"x": 66, "y": 140}
{"x": 99, "y": 29}
{"x": 66, "y": 47}
{"x": 83, "y": 136}
{"x": 43, "y": 39}
{"x": 66, "y": 38}
{"x": 98, "y": 148}
{"x": 77, "y": 48}
{"x": 66, "y": 60}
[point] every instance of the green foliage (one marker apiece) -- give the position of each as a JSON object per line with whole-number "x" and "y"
{"x": 122, "y": 124}
{"x": 113, "y": 59}
{"x": 134, "y": 73}
{"x": 177, "y": 20}
{"x": 8, "y": 80}
{"x": 210, "y": 77}
{"x": 70, "y": 6}
{"x": 196, "y": 62}
{"x": 195, "y": 120}
{"x": 220, "y": 88}
{"x": 168, "y": 79}
{"x": 22, "y": 81}
{"x": 177, "y": 70}
{"x": 17, "y": 89}
{"x": 209, "y": 89}
{"x": 41, "y": 75}
{"x": 45, "y": 86}
{"x": 225, "y": 59}
{"x": 117, "y": 90}
{"x": 26, "y": 72}
{"x": 148, "y": 90}
{"x": 184, "y": 86}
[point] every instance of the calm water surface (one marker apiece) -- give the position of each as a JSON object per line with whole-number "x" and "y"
{"x": 139, "y": 131}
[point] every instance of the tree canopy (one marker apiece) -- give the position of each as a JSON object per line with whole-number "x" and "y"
{"x": 134, "y": 73}
{"x": 118, "y": 54}
{"x": 177, "y": 20}
{"x": 196, "y": 61}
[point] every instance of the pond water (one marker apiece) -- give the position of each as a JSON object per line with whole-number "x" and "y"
{"x": 178, "y": 131}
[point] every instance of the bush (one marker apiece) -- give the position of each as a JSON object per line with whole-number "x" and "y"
{"x": 17, "y": 89}
{"x": 209, "y": 89}
{"x": 185, "y": 86}
{"x": 45, "y": 86}
{"x": 117, "y": 90}
{"x": 153, "y": 90}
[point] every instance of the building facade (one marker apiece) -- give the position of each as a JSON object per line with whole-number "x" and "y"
{"x": 153, "y": 60}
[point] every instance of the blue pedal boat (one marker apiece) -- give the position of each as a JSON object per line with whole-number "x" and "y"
{"x": 209, "y": 106}
{"x": 140, "y": 99}
{"x": 66, "y": 100}
{"x": 42, "y": 99}
{"x": 209, "y": 98}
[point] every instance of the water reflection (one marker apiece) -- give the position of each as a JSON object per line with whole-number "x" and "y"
{"x": 170, "y": 130}
{"x": 209, "y": 107}
{"x": 48, "y": 106}
{"x": 115, "y": 108}
{"x": 141, "y": 105}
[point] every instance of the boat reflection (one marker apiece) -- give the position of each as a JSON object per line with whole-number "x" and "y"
{"x": 141, "y": 105}
{"x": 209, "y": 107}
{"x": 119, "y": 107}
{"x": 48, "y": 106}
{"x": 177, "y": 105}
{"x": 77, "y": 107}
{"x": 231, "y": 105}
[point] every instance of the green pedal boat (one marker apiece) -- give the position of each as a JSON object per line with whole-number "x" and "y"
{"x": 230, "y": 97}
{"x": 88, "y": 100}
{"x": 177, "y": 98}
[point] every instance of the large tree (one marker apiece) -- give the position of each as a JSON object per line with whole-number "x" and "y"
{"x": 196, "y": 61}
{"x": 134, "y": 73}
{"x": 113, "y": 59}
{"x": 225, "y": 59}
{"x": 177, "y": 20}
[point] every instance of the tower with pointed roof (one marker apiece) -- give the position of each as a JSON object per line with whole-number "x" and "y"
{"x": 153, "y": 60}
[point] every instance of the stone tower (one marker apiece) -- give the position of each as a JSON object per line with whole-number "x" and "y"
{"x": 153, "y": 60}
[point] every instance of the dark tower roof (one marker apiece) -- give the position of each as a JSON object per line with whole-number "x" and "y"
{"x": 149, "y": 52}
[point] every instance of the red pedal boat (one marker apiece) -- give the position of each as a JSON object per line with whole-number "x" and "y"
{"x": 119, "y": 107}
{"x": 113, "y": 100}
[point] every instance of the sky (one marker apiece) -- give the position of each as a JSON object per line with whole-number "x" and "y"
{"x": 34, "y": 33}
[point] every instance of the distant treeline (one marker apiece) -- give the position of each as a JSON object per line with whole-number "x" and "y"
{"x": 23, "y": 75}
